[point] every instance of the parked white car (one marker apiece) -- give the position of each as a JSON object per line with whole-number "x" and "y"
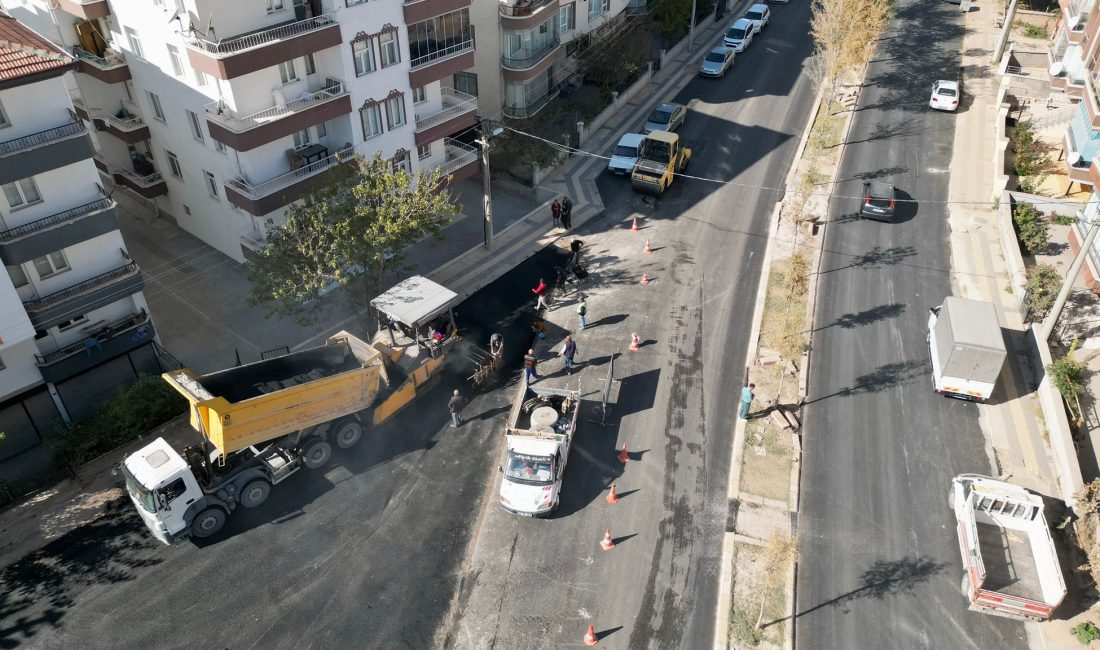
{"x": 625, "y": 155}
{"x": 759, "y": 14}
{"x": 945, "y": 95}
{"x": 739, "y": 35}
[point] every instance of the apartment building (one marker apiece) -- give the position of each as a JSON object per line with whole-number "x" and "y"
{"x": 1073, "y": 69}
{"x": 224, "y": 113}
{"x": 74, "y": 323}
{"x": 526, "y": 48}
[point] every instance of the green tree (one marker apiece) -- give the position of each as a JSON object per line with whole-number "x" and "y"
{"x": 1031, "y": 227}
{"x": 673, "y": 17}
{"x": 348, "y": 233}
{"x": 1068, "y": 376}
{"x": 1043, "y": 284}
{"x": 841, "y": 43}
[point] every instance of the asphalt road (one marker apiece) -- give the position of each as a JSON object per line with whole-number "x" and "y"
{"x": 880, "y": 562}
{"x": 540, "y": 583}
{"x": 362, "y": 554}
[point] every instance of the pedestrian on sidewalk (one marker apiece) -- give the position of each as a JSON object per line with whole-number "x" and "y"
{"x": 540, "y": 291}
{"x": 530, "y": 366}
{"x": 568, "y": 351}
{"x": 555, "y": 212}
{"x": 582, "y": 311}
{"x": 457, "y": 403}
{"x": 566, "y": 213}
{"x": 747, "y": 396}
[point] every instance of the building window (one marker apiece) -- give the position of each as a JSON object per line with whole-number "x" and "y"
{"x": 154, "y": 101}
{"x": 311, "y": 65}
{"x": 466, "y": 82}
{"x": 21, "y": 192}
{"x": 211, "y": 184}
{"x": 301, "y": 139}
{"x": 322, "y": 130}
{"x": 287, "y": 73}
{"x": 439, "y": 37}
{"x": 595, "y": 9}
{"x": 135, "y": 43}
{"x": 567, "y": 18}
{"x": 420, "y": 95}
{"x": 423, "y": 151}
{"x": 274, "y": 5}
{"x": 17, "y": 275}
{"x": 371, "y": 116}
{"x": 174, "y": 164}
{"x": 363, "y": 55}
{"x": 395, "y": 111}
{"x": 387, "y": 47}
{"x": 4, "y": 117}
{"x": 51, "y": 264}
{"x": 400, "y": 161}
{"x": 200, "y": 78}
{"x": 219, "y": 146}
{"x": 72, "y": 322}
{"x": 196, "y": 126}
{"x": 177, "y": 63}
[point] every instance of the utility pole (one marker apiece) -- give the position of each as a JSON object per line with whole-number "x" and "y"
{"x": 486, "y": 186}
{"x": 1067, "y": 285}
{"x": 1005, "y": 29}
{"x": 691, "y": 30}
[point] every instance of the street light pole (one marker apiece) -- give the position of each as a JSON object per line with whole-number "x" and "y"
{"x": 691, "y": 30}
{"x": 1067, "y": 285}
{"x": 486, "y": 186}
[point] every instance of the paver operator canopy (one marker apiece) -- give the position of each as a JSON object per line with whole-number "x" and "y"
{"x": 414, "y": 306}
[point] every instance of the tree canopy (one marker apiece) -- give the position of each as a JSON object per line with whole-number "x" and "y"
{"x": 348, "y": 233}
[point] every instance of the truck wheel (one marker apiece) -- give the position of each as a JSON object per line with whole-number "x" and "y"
{"x": 207, "y": 523}
{"x": 316, "y": 453}
{"x": 348, "y": 435}
{"x": 255, "y": 492}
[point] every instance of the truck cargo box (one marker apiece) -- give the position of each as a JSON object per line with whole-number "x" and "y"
{"x": 968, "y": 340}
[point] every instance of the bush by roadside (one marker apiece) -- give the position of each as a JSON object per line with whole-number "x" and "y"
{"x": 1031, "y": 228}
{"x": 1043, "y": 284}
{"x": 128, "y": 413}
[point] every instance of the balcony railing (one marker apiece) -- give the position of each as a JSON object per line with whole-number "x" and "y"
{"x": 54, "y": 219}
{"x": 42, "y": 137}
{"x": 75, "y": 290}
{"x": 639, "y": 7}
{"x": 104, "y": 333}
{"x": 530, "y": 109}
{"x": 142, "y": 181}
{"x": 111, "y": 61}
{"x": 520, "y": 9}
{"x": 455, "y": 103}
{"x": 260, "y": 190}
{"x": 457, "y": 155}
{"x": 528, "y": 59}
{"x": 239, "y": 44}
{"x": 443, "y": 52}
{"x": 331, "y": 89}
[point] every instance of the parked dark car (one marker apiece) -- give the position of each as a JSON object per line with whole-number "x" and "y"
{"x": 878, "y": 201}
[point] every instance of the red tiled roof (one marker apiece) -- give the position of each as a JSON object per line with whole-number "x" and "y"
{"x": 24, "y": 52}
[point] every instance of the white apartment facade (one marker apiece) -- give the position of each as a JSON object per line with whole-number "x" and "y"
{"x": 224, "y": 113}
{"x": 525, "y": 47}
{"x": 72, "y": 309}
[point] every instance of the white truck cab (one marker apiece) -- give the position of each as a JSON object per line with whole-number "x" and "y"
{"x": 162, "y": 487}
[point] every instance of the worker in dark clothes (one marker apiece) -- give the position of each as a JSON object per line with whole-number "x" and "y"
{"x": 457, "y": 403}
{"x": 530, "y": 367}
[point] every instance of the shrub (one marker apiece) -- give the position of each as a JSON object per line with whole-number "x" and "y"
{"x": 1035, "y": 31}
{"x": 1061, "y": 219}
{"x": 1029, "y": 157}
{"x": 126, "y": 414}
{"x": 1031, "y": 228}
{"x": 1068, "y": 375}
{"x": 1086, "y": 632}
{"x": 1043, "y": 284}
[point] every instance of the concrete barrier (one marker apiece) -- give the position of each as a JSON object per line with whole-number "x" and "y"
{"x": 1058, "y": 430}
{"x": 1010, "y": 246}
{"x": 1000, "y": 178}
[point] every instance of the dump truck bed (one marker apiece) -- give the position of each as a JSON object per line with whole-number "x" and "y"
{"x": 257, "y": 402}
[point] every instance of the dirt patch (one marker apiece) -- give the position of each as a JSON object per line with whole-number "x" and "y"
{"x": 751, "y": 589}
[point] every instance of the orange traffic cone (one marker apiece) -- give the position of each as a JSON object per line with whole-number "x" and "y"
{"x": 612, "y": 498}
{"x": 606, "y": 543}
{"x": 645, "y": 278}
{"x": 590, "y": 636}
{"x": 635, "y": 342}
{"x": 623, "y": 455}
{"x": 648, "y": 247}
{"x": 634, "y": 225}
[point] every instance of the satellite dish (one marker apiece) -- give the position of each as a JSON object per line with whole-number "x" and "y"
{"x": 1074, "y": 157}
{"x": 176, "y": 15}
{"x": 1057, "y": 68}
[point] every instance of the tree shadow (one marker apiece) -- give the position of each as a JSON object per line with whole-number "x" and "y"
{"x": 885, "y": 377}
{"x": 879, "y": 173}
{"x": 877, "y": 257}
{"x": 885, "y": 131}
{"x": 883, "y": 579}
{"x": 865, "y": 317}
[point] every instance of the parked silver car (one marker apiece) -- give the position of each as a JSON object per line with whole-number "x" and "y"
{"x": 666, "y": 117}
{"x": 717, "y": 62}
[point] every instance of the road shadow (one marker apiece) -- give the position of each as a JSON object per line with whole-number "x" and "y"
{"x": 637, "y": 393}
{"x": 877, "y": 257}
{"x": 885, "y": 377}
{"x": 865, "y": 317}
{"x": 878, "y": 173}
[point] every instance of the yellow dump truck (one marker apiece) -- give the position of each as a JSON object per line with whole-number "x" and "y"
{"x": 263, "y": 421}
{"x": 661, "y": 157}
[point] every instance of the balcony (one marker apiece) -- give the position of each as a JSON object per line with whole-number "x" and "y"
{"x": 531, "y": 108}
{"x": 251, "y": 245}
{"x": 122, "y": 124}
{"x": 148, "y": 185}
{"x": 526, "y": 14}
{"x": 104, "y": 342}
{"x": 241, "y": 55}
{"x": 324, "y": 101}
{"x": 37, "y": 238}
{"x": 460, "y": 161}
{"x": 437, "y": 60}
{"x": 111, "y": 68}
{"x": 458, "y": 112}
{"x": 419, "y": 10}
{"x": 86, "y": 9}
{"x": 525, "y": 59}
{"x": 43, "y": 151}
{"x": 261, "y": 198}
{"x": 93, "y": 293}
